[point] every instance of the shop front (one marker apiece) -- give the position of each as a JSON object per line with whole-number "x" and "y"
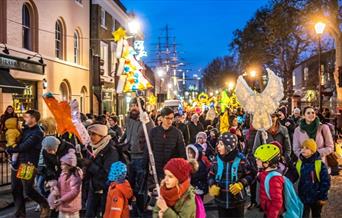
{"x": 19, "y": 91}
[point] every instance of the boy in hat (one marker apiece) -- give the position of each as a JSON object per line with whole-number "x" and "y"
{"x": 119, "y": 192}
{"x": 229, "y": 176}
{"x": 314, "y": 180}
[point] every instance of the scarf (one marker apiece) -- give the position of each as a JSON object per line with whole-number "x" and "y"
{"x": 171, "y": 196}
{"x": 310, "y": 129}
{"x": 100, "y": 145}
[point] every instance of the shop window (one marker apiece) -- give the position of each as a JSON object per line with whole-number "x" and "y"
{"x": 76, "y": 47}
{"x": 27, "y": 100}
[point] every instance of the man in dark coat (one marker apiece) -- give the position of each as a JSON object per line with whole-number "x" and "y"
{"x": 193, "y": 128}
{"x": 167, "y": 142}
{"x": 29, "y": 150}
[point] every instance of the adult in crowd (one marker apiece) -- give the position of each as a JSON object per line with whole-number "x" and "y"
{"x": 9, "y": 112}
{"x": 134, "y": 137}
{"x": 221, "y": 122}
{"x": 179, "y": 124}
{"x": 158, "y": 120}
{"x": 311, "y": 127}
{"x": 167, "y": 142}
{"x": 29, "y": 149}
{"x": 285, "y": 121}
{"x": 114, "y": 126}
{"x": 96, "y": 168}
{"x": 193, "y": 128}
{"x": 278, "y": 133}
{"x": 296, "y": 116}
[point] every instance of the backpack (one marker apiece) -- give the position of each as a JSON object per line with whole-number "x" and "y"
{"x": 293, "y": 206}
{"x": 318, "y": 168}
{"x": 234, "y": 169}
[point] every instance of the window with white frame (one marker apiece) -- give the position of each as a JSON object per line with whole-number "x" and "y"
{"x": 59, "y": 39}
{"x": 113, "y": 25}
{"x": 26, "y": 23}
{"x": 76, "y": 48}
{"x": 294, "y": 80}
{"x": 113, "y": 58}
{"x": 103, "y": 18}
{"x": 306, "y": 73}
{"x": 104, "y": 57}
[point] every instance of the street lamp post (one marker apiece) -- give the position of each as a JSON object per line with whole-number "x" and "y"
{"x": 319, "y": 28}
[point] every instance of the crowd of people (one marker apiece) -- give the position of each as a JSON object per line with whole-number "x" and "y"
{"x": 195, "y": 155}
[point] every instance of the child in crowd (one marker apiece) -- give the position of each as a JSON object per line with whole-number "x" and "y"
{"x": 177, "y": 196}
{"x": 119, "y": 192}
{"x": 314, "y": 180}
{"x": 199, "y": 178}
{"x": 228, "y": 177}
{"x": 267, "y": 159}
{"x": 207, "y": 149}
{"x": 68, "y": 201}
{"x": 12, "y": 137}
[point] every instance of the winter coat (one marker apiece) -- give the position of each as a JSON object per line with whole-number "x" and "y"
{"x": 245, "y": 175}
{"x": 324, "y": 140}
{"x": 166, "y": 144}
{"x": 117, "y": 200}
{"x": 183, "y": 128}
{"x": 12, "y": 132}
{"x": 199, "y": 179}
{"x": 310, "y": 190}
{"x": 185, "y": 207}
{"x": 52, "y": 168}
{"x": 29, "y": 146}
{"x": 282, "y": 136}
{"x": 192, "y": 131}
{"x": 70, "y": 190}
{"x": 118, "y": 133}
{"x": 273, "y": 207}
{"x": 97, "y": 171}
{"x": 135, "y": 137}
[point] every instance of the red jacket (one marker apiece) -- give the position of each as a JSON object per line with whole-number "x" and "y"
{"x": 272, "y": 208}
{"x": 117, "y": 200}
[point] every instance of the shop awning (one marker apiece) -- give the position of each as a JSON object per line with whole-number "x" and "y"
{"x": 8, "y": 84}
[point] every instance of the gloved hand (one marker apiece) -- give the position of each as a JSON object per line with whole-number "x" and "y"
{"x": 236, "y": 188}
{"x": 322, "y": 202}
{"x": 214, "y": 190}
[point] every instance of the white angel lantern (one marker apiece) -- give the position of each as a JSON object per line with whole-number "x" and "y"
{"x": 263, "y": 104}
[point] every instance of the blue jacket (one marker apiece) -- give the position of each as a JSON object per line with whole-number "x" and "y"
{"x": 30, "y": 145}
{"x": 310, "y": 190}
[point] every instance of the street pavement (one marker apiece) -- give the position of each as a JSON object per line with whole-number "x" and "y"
{"x": 332, "y": 210}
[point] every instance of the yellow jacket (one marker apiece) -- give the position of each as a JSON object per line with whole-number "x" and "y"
{"x": 12, "y": 132}
{"x": 224, "y": 122}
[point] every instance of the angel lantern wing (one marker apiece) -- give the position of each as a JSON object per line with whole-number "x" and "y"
{"x": 261, "y": 105}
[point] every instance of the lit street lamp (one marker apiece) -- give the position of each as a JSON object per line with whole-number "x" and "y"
{"x": 231, "y": 85}
{"x": 319, "y": 28}
{"x": 253, "y": 73}
{"x": 134, "y": 26}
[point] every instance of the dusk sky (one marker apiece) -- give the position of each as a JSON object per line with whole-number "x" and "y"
{"x": 203, "y": 28}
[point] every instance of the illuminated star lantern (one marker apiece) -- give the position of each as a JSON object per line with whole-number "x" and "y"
{"x": 119, "y": 34}
{"x": 152, "y": 100}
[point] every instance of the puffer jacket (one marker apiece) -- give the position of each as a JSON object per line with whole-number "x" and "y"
{"x": 310, "y": 190}
{"x": 12, "y": 132}
{"x": 166, "y": 144}
{"x": 273, "y": 207}
{"x": 97, "y": 171}
{"x": 117, "y": 200}
{"x": 245, "y": 175}
{"x": 199, "y": 179}
{"x": 29, "y": 146}
{"x": 184, "y": 208}
{"x": 70, "y": 191}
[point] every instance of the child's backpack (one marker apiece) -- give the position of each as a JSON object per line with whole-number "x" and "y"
{"x": 318, "y": 168}
{"x": 293, "y": 205}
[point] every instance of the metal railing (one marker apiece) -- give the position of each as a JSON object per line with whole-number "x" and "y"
{"x": 5, "y": 170}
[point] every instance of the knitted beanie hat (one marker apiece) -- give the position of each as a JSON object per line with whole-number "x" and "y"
{"x": 99, "y": 129}
{"x": 117, "y": 172}
{"x": 310, "y": 144}
{"x": 70, "y": 158}
{"x": 50, "y": 142}
{"x": 180, "y": 168}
